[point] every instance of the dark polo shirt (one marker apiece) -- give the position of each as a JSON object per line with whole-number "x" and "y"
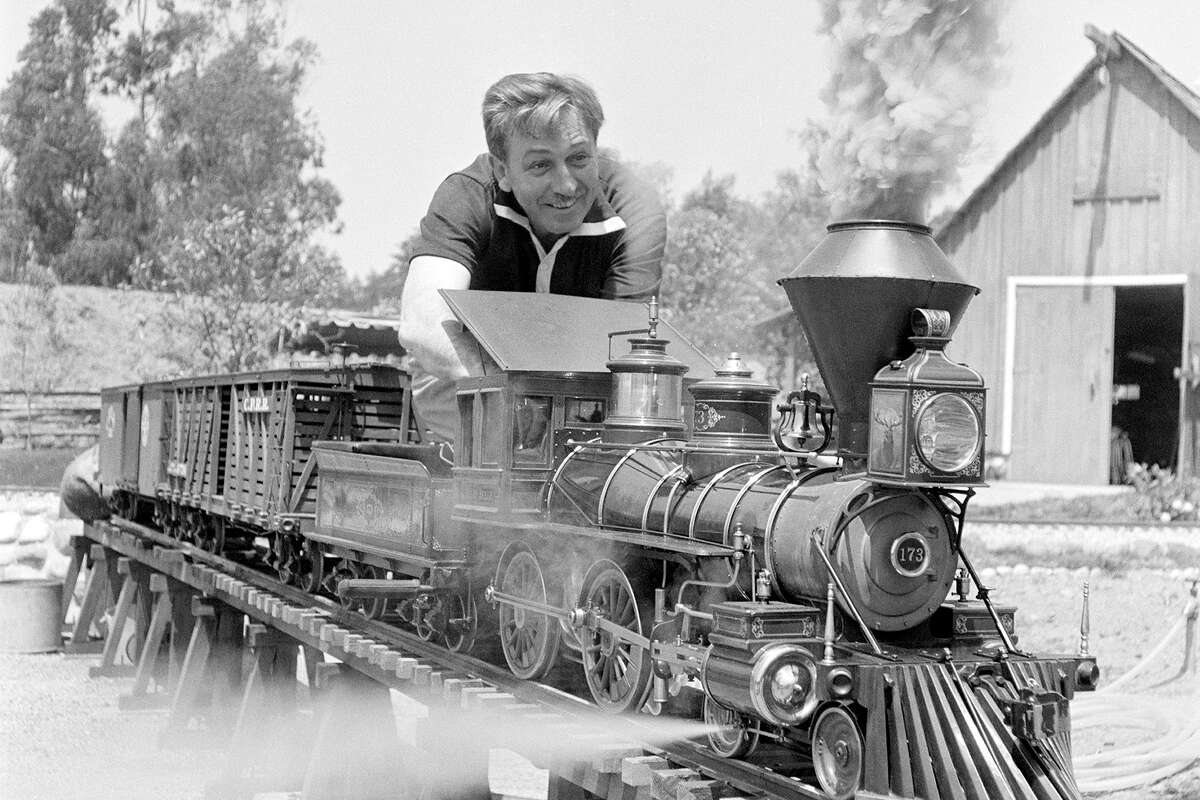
{"x": 615, "y": 253}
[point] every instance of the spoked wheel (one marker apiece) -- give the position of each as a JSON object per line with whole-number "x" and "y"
{"x": 215, "y": 541}
{"x": 344, "y": 569}
{"x": 461, "y": 621}
{"x": 837, "y": 753}
{"x": 193, "y": 526}
{"x": 287, "y": 557}
{"x": 376, "y": 606}
{"x": 424, "y": 616}
{"x": 730, "y": 735}
{"x": 406, "y": 610}
{"x": 617, "y": 671}
{"x": 529, "y": 640}
{"x": 311, "y": 567}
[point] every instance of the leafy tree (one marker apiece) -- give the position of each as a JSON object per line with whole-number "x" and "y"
{"x": 48, "y": 126}
{"x": 239, "y": 279}
{"x": 724, "y": 256}
{"x": 241, "y": 198}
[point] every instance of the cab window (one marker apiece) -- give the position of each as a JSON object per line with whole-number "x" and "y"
{"x": 583, "y": 411}
{"x": 491, "y": 433}
{"x": 466, "y": 430}
{"x": 531, "y": 430}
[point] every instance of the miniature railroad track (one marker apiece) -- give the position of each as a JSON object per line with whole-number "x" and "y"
{"x": 626, "y": 757}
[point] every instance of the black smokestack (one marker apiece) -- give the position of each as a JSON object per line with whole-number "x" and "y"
{"x": 853, "y": 295}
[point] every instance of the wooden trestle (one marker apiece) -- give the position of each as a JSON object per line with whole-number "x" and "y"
{"x": 333, "y": 734}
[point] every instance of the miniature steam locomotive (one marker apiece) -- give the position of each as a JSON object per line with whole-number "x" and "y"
{"x": 638, "y": 515}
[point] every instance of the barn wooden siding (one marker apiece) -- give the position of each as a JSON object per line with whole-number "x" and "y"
{"x": 1106, "y": 184}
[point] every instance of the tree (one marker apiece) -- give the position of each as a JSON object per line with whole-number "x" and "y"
{"x": 242, "y": 201}
{"x": 239, "y": 279}
{"x": 48, "y": 126}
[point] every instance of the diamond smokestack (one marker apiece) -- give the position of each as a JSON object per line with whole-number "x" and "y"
{"x": 853, "y": 295}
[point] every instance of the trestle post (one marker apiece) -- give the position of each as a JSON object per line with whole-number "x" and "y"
{"x": 269, "y": 743}
{"x": 94, "y": 602}
{"x": 148, "y": 666}
{"x": 357, "y": 754}
{"x": 209, "y": 678}
{"x": 182, "y": 623}
{"x": 80, "y": 545}
{"x": 112, "y": 644}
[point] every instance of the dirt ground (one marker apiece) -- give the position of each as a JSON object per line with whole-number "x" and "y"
{"x": 62, "y": 735}
{"x": 1132, "y": 614}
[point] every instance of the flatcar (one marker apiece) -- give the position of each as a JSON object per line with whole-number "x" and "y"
{"x": 614, "y": 502}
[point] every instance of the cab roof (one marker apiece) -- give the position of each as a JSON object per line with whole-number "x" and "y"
{"x": 537, "y": 332}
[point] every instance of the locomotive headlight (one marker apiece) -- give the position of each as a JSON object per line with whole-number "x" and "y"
{"x": 781, "y": 684}
{"x": 948, "y": 432}
{"x": 927, "y": 413}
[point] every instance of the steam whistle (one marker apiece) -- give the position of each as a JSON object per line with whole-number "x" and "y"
{"x": 796, "y": 422}
{"x": 652, "y": 324}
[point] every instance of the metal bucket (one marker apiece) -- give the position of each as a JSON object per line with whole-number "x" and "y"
{"x": 30, "y": 616}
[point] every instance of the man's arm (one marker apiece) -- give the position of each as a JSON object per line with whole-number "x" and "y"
{"x": 636, "y": 269}
{"x": 428, "y": 329}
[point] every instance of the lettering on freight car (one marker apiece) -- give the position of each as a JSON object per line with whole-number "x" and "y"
{"x": 255, "y": 404}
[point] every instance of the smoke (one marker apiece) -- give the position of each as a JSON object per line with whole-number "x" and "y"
{"x": 907, "y": 88}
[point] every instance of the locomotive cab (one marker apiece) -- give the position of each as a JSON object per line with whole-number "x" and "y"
{"x": 550, "y": 385}
{"x": 508, "y": 426}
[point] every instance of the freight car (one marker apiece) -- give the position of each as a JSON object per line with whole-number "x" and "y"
{"x": 637, "y": 514}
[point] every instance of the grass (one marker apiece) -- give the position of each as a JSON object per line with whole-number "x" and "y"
{"x": 1091, "y": 508}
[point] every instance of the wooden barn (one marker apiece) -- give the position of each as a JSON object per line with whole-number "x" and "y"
{"x": 1085, "y": 241}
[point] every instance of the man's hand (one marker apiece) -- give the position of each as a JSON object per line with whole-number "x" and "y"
{"x": 428, "y": 329}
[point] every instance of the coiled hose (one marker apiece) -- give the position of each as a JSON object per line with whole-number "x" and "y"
{"x": 1168, "y": 726}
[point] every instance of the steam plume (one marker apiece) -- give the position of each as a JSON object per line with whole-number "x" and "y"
{"x": 909, "y": 78}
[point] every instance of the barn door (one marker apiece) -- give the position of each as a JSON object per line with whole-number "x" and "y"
{"x": 1062, "y": 384}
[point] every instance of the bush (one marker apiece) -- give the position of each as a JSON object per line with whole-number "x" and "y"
{"x": 1163, "y": 496}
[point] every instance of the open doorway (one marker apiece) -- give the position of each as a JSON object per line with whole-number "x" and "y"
{"x": 1147, "y": 346}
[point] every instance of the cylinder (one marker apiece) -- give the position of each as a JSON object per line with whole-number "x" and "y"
{"x": 30, "y": 616}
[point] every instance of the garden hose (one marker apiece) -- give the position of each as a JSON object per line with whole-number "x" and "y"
{"x": 1171, "y": 723}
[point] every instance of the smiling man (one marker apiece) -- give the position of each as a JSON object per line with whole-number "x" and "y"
{"x": 541, "y": 211}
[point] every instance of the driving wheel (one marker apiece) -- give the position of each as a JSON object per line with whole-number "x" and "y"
{"x": 616, "y": 667}
{"x": 529, "y": 640}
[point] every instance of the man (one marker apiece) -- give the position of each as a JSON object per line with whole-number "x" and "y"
{"x": 542, "y": 211}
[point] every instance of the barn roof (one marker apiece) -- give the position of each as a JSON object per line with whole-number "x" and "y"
{"x": 1109, "y": 46}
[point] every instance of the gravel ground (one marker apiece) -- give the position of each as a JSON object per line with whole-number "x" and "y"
{"x": 62, "y": 735}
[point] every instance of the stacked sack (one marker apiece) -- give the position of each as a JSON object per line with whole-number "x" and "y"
{"x": 35, "y": 535}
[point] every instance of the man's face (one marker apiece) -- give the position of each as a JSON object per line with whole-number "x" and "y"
{"x": 555, "y": 176}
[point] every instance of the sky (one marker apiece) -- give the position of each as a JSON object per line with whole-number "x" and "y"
{"x": 696, "y": 85}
